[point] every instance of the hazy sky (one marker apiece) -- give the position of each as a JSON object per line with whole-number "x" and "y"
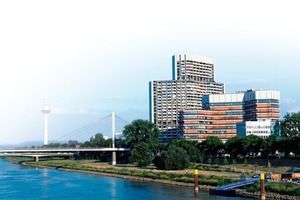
{"x": 95, "y": 57}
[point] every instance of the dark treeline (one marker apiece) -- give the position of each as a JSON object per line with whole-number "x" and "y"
{"x": 142, "y": 138}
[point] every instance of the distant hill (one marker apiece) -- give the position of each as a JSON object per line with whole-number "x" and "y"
{"x": 27, "y": 144}
{"x": 22, "y": 145}
{"x": 30, "y": 144}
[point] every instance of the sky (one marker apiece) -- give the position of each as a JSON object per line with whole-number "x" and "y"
{"x": 93, "y": 58}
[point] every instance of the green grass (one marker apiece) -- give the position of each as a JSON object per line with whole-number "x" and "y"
{"x": 287, "y": 188}
{"x": 283, "y": 188}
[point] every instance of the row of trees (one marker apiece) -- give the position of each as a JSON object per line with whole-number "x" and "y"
{"x": 142, "y": 137}
{"x": 290, "y": 133}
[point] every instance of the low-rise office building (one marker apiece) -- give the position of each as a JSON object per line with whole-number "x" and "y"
{"x": 221, "y": 113}
{"x": 259, "y": 128}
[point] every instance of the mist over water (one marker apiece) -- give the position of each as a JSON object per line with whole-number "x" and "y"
{"x": 21, "y": 182}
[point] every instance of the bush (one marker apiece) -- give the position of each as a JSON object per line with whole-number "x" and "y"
{"x": 216, "y": 161}
{"x": 234, "y": 162}
{"x": 159, "y": 162}
{"x": 209, "y": 161}
{"x": 283, "y": 188}
{"x": 225, "y": 161}
{"x": 254, "y": 187}
{"x": 221, "y": 182}
{"x": 175, "y": 158}
{"x": 141, "y": 155}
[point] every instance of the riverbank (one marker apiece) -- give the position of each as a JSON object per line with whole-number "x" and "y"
{"x": 207, "y": 179}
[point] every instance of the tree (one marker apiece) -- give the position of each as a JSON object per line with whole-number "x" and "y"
{"x": 108, "y": 143}
{"x": 190, "y": 147}
{"x": 290, "y": 125}
{"x": 290, "y": 132}
{"x": 211, "y": 146}
{"x": 141, "y": 131}
{"x": 86, "y": 144}
{"x": 175, "y": 158}
{"x": 159, "y": 162}
{"x": 233, "y": 146}
{"x": 140, "y": 154}
{"x": 269, "y": 146}
{"x": 225, "y": 161}
{"x": 291, "y": 145}
{"x": 98, "y": 140}
{"x": 252, "y": 144}
{"x": 142, "y": 138}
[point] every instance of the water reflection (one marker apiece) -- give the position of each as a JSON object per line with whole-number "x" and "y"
{"x": 45, "y": 183}
{"x": 196, "y": 195}
{"x": 113, "y": 187}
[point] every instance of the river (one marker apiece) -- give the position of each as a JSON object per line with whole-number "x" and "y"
{"x": 22, "y": 182}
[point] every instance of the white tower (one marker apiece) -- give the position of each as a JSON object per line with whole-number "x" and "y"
{"x": 46, "y": 110}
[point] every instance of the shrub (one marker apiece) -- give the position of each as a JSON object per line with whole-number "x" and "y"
{"x": 208, "y": 181}
{"x": 283, "y": 188}
{"x": 225, "y": 161}
{"x": 141, "y": 154}
{"x": 254, "y": 187}
{"x": 216, "y": 161}
{"x": 175, "y": 158}
{"x": 159, "y": 162}
{"x": 234, "y": 162}
{"x": 209, "y": 161}
{"x": 221, "y": 182}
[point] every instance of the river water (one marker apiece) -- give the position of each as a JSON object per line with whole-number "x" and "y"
{"x": 22, "y": 182}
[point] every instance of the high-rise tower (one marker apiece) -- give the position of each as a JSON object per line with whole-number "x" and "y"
{"x": 192, "y": 77}
{"x": 46, "y": 110}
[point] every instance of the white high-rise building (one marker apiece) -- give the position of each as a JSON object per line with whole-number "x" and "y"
{"x": 192, "y": 77}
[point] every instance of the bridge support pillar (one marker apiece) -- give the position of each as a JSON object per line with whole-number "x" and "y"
{"x": 114, "y": 158}
{"x": 36, "y": 159}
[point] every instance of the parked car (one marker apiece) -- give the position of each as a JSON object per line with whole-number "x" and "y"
{"x": 255, "y": 176}
{"x": 267, "y": 176}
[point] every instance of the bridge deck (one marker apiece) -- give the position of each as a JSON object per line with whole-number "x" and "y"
{"x": 44, "y": 150}
{"x": 231, "y": 186}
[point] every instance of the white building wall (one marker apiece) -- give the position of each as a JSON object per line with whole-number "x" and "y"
{"x": 244, "y": 96}
{"x": 216, "y": 98}
{"x": 262, "y": 94}
{"x": 259, "y": 128}
{"x": 194, "y": 58}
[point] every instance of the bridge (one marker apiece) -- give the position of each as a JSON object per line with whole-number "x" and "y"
{"x": 85, "y": 132}
{"x": 36, "y": 156}
{"x": 36, "y": 153}
{"x": 228, "y": 189}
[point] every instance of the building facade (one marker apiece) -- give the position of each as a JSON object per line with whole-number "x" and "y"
{"x": 221, "y": 113}
{"x": 262, "y": 129}
{"x": 192, "y": 77}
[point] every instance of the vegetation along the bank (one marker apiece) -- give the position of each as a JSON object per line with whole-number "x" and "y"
{"x": 219, "y": 163}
